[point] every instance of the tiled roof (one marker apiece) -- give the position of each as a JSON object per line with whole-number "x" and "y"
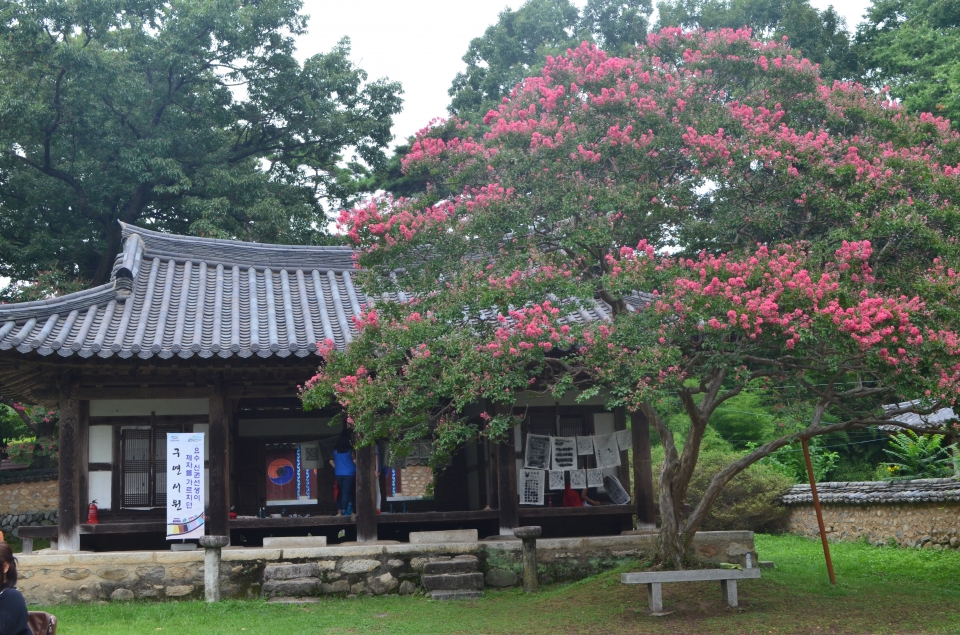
{"x": 183, "y": 296}
{"x": 180, "y": 295}
{"x": 933, "y": 422}
{"x": 923, "y": 490}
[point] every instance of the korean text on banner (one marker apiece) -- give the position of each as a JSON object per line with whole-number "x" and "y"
{"x": 185, "y": 502}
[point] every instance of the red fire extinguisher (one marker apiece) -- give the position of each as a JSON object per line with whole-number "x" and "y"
{"x": 93, "y": 517}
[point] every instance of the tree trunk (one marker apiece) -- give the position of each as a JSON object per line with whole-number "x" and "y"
{"x": 669, "y": 548}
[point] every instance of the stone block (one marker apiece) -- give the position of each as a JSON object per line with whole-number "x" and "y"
{"x": 449, "y": 535}
{"x": 113, "y": 558}
{"x": 383, "y": 584}
{"x": 453, "y": 581}
{"x": 359, "y": 566}
{"x": 249, "y": 554}
{"x": 291, "y": 571}
{"x": 455, "y": 595}
{"x": 151, "y": 575}
{"x": 178, "y": 557}
{"x": 358, "y": 588}
{"x": 407, "y": 588}
{"x": 113, "y": 573}
{"x": 327, "y": 565}
{"x": 394, "y": 563}
{"x": 121, "y": 595}
{"x": 295, "y": 541}
{"x": 75, "y": 574}
{"x": 439, "y": 567}
{"x": 500, "y": 578}
{"x": 179, "y": 590}
{"x": 288, "y": 588}
{"x": 340, "y": 586}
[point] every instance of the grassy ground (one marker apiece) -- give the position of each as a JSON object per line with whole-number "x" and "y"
{"x": 880, "y": 590}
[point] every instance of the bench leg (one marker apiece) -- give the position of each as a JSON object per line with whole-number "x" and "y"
{"x": 729, "y": 590}
{"x": 27, "y": 546}
{"x": 655, "y": 595}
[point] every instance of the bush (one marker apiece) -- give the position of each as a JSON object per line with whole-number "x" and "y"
{"x": 919, "y": 456}
{"x": 750, "y": 501}
{"x": 34, "y": 452}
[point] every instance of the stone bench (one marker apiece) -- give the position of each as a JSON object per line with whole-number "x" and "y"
{"x": 28, "y": 534}
{"x": 655, "y": 580}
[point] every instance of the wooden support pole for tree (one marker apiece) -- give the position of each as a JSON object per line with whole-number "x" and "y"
{"x": 816, "y": 507}
{"x": 218, "y": 514}
{"x": 366, "y": 495}
{"x": 68, "y": 521}
{"x": 642, "y": 471}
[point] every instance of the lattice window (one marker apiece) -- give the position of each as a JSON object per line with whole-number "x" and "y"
{"x": 143, "y": 468}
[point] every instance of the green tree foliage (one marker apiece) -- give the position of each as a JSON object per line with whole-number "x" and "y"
{"x": 919, "y": 456}
{"x": 517, "y": 45}
{"x": 821, "y": 35}
{"x": 192, "y": 117}
{"x": 914, "y": 47}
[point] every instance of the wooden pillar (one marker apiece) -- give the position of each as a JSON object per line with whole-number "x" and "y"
{"x": 623, "y": 472}
{"x": 68, "y": 523}
{"x": 642, "y": 471}
{"x": 507, "y": 484}
{"x": 366, "y": 495}
{"x": 218, "y": 443}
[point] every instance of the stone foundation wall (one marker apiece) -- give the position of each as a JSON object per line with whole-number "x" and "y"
{"x": 19, "y": 498}
{"x": 929, "y": 525}
{"x": 414, "y": 480}
{"x": 50, "y": 579}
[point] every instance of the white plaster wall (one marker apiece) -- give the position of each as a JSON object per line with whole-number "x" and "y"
{"x": 144, "y": 407}
{"x": 101, "y": 444}
{"x": 603, "y": 423}
{"x": 100, "y": 488}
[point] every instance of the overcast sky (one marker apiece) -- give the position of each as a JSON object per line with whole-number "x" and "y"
{"x": 420, "y": 42}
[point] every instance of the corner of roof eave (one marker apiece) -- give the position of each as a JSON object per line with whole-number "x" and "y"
{"x": 125, "y": 272}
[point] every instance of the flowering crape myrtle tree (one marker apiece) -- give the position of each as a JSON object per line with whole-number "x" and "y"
{"x": 785, "y": 236}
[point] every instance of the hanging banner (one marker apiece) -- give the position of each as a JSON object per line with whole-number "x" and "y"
{"x": 606, "y": 451}
{"x": 594, "y": 478}
{"x": 537, "y": 456}
{"x": 556, "y": 480}
{"x": 615, "y": 490}
{"x": 185, "y": 502}
{"x": 564, "y": 453}
{"x": 584, "y": 446}
{"x": 531, "y": 492}
{"x": 624, "y": 440}
{"x": 578, "y": 479}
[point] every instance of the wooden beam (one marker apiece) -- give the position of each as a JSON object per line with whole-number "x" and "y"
{"x": 219, "y": 448}
{"x": 68, "y": 521}
{"x": 366, "y": 495}
{"x": 507, "y": 480}
{"x": 642, "y": 471}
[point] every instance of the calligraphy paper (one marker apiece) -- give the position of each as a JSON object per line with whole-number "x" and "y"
{"x": 624, "y": 440}
{"x": 594, "y": 478}
{"x": 584, "y": 445}
{"x": 564, "y": 452}
{"x": 606, "y": 450}
{"x": 537, "y": 456}
{"x": 615, "y": 490}
{"x": 185, "y": 486}
{"x": 531, "y": 491}
{"x": 578, "y": 479}
{"x": 556, "y": 479}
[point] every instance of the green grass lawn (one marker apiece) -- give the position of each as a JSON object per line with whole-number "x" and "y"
{"x": 879, "y": 590}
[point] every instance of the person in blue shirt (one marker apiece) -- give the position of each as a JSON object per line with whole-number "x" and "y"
{"x": 345, "y": 471}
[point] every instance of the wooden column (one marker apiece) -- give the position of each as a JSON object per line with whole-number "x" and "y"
{"x": 507, "y": 485}
{"x": 366, "y": 495}
{"x": 68, "y": 523}
{"x": 623, "y": 472}
{"x": 642, "y": 471}
{"x": 218, "y": 507}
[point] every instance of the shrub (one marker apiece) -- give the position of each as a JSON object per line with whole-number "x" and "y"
{"x": 750, "y": 501}
{"x": 34, "y": 452}
{"x": 916, "y": 456}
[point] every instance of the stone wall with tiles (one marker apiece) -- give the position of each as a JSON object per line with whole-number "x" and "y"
{"x": 349, "y": 570}
{"x": 911, "y": 513}
{"x": 29, "y": 497}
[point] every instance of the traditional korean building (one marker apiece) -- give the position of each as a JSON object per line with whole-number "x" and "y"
{"x": 197, "y": 334}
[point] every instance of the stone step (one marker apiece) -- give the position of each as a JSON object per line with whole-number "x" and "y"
{"x": 291, "y": 588}
{"x": 439, "y": 567}
{"x": 291, "y": 571}
{"x": 456, "y": 595}
{"x": 453, "y": 582}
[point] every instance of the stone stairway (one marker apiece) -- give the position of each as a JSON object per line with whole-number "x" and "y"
{"x": 456, "y": 579}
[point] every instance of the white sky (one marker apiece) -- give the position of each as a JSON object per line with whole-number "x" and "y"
{"x": 420, "y": 43}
